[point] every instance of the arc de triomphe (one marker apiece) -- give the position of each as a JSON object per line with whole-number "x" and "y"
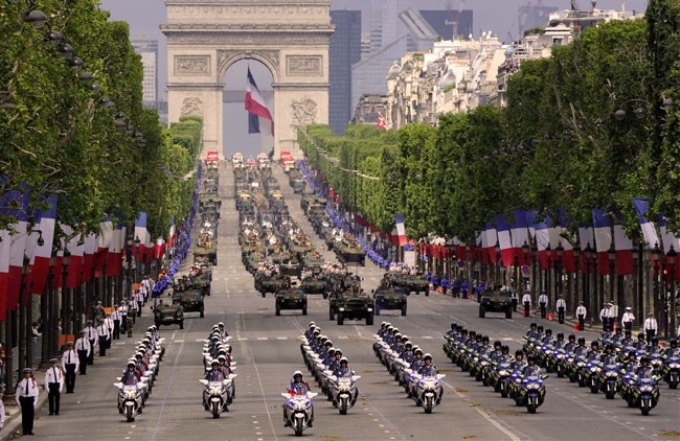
{"x": 290, "y": 37}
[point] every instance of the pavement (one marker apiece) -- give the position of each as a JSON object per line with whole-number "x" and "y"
{"x": 266, "y": 349}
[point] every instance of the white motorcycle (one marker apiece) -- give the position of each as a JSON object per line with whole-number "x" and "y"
{"x": 299, "y": 411}
{"x": 216, "y": 395}
{"x": 130, "y": 400}
{"x": 429, "y": 391}
{"x": 345, "y": 392}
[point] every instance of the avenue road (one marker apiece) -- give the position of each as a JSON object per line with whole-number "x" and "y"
{"x": 266, "y": 349}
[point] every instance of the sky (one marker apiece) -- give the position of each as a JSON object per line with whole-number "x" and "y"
{"x": 498, "y": 16}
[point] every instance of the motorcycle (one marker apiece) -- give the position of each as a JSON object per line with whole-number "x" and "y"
{"x": 503, "y": 377}
{"x": 216, "y": 395}
{"x": 345, "y": 392}
{"x": 645, "y": 394}
{"x": 532, "y": 392}
{"x": 671, "y": 372}
{"x": 299, "y": 410}
{"x": 609, "y": 380}
{"x": 429, "y": 392}
{"x": 130, "y": 400}
{"x": 591, "y": 375}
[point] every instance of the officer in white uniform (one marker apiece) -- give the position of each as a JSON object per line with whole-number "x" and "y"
{"x": 70, "y": 361}
{"x": 27, "y": 398}
{"x": 54, "y": 384}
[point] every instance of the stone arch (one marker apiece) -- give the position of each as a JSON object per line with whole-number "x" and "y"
{"x": 291, "y": 38}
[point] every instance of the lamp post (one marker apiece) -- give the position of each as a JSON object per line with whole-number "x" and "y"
{"x": 547, "y": 287}
{"x": 137, "y": 258}
{"x": 589, "y": 265}
{"x": 671, "y": 255}
{"x": 573, "y": 300}
{"x": 129, "y": 242}
{"x": 497, "y": 269}
{"x": 612, "y": 266}
{"x": 656, "y": 252}
{"x": 44, "y": 312}
{"x": 559, "y": 254}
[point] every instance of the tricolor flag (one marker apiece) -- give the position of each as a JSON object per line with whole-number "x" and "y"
{"x": 401, "y": 229}
{"x": 141, "y": 234}
{"x": 42, "y": 251}
{"x": 568, "y": 262}
{"x": 259, "y": 118}
{"x": 159, "y": 248}
{"x": 12, "y": 250}
{"x": 89, "y": 251}
{"x": 603, "y": 238}
{"x": 171, "y": 234}
{"x": 669, "y": 239}
{"x": 5, "y": 250}
{"x": 505, "y": 241}
{"x": 489, "y": 240}
{"x": 520, "y": 234}
{"x": 624, "y": 250}
{"x": 114, "y": 256}
{"x": 648, "y": 228}
{"x": 103, "y": 243}
{"x": 75, "y": 246}
{"x": 382, "y": 124}
{"x": 542, "y": 242}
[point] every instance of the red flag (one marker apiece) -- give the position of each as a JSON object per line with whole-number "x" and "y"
{"x": 382, "y": 124}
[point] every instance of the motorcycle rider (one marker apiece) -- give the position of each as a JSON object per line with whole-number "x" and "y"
{"x": 496, "y": 351}
{"x": 571, "y": 344}
{"x": 654, "y": 347}
{"x": 342, "y": 370}
{"x": 631, "y": 363}
{"x": 645, "y": 370}
{"x": 215, "y": 373}
{"x": 618, "y": 336}
{"x": 594, "y": 351}
{"x": 129, "y": 377}
{"x": 408, "y": 354}
{"x": 531, "y": 369}
{"x": 519, "y": 363}
{"x": 608, "y": 356}
{"x": 581, "y": 349}
{"x": 505, "y": 355}
{"x": 559, "y": 342}
{"x": 428, "y": 369}
{"x": 484, "y": 348}
{"x": 607, "y": 335}
{"x": 223, "y": 366}
{"x": 299, "y": 387}
{"x": 641, "y": 344}
{"x": 418, "y": 361}
{"x": 223, "y": 332}
{"x": 531, "y": 333}
{"x": 548, "y": 337}
{"x": 673, "y": 350}
{"x": 627, "y": 340}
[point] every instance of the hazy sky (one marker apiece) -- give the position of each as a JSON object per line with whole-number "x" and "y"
{"x": 498, "y": 16}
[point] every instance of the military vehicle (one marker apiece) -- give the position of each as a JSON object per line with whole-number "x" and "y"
{"x": 211, "y": 198}
{"x": 314, "y": 284}
{"x": 495, "y": 301}
{"x": 291, "y": 298}
{"x": 349, "y": 251}
{"x": 191, "y": 301}
{"x": 204, "y": 255}
{"x": 349, "y": 306}
{"x": 411, "y": 283}
{"x": 265, "y": 283}
{"x": 390, "y": 298}
{"x": 168, "y": 315}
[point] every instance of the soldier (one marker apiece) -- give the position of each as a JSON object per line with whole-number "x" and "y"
{"x": 54, "y": 384}
{"x": 70, "y": 361}
{"x": 92, "y": 337}
{"x": 116, "y": 316}
{"x": 27, "y": 398}
{"x": 103, "y": 336}
{"x": 83, "y": 349}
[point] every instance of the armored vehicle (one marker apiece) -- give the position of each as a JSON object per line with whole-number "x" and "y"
{"x": 291, "y": 298}
{"x": 389, "y": 298}
{"x": 191, "y": 301}
{"x": 169, "y": 315}
{"x": 495, "y": 301}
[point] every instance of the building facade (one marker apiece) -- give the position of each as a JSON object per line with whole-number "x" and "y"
{"x": 148, "y": 51}
{"x": 344, "y": 51}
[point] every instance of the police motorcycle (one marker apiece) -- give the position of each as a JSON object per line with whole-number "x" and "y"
{"x": 645, "y": 392}
{"x": 217, "y": 391}
{"x": 427, "y": 389}
{"x": 577, "y": 363}
{"x": 531, "y": 392}
{"x": 130, "y": 393}
{"x": 514, "y": 380}
{"x": 344, "y": 391}
{"x": 609, "y": 374}
{"x": 298, "y": 410}
{"x": 532, "y": 339}
{"x": 500, "y": 376}
{"x": 670, "y": 371}
{"x": 593, "y": 368}
{"x": 488, "y": 362}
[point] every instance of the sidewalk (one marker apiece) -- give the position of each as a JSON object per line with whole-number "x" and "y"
{"x": 97, "y": 374}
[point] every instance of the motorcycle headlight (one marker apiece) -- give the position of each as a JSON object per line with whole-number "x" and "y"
{"x": 341, "y": 309}
{"x": 560, "y": 356}
{"x": 595, "y": 369}
{"x": 674, "y": 366}
{"x": 611, "y": 374}
{"x": 646, "y": 388}
{"x": 533, "y": 386}
{"x": 503, "y": 373}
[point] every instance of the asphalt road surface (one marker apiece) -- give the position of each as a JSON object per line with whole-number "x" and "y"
{"x": 266, "y": 349}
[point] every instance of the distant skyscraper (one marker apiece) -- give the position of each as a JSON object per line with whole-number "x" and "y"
{"x": 444, "y": 22}
{"x": 344, "y": 51}
{"x": 148, "y": 50}
{"x": 531, "y": 16}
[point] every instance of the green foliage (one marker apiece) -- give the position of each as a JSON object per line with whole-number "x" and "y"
{"x": 59, "y": 138}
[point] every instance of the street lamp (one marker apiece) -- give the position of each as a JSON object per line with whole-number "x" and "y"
{"x": 671, "y": 255}
{"x": 612, "y": 265}
{"x": 497, "y": 269}
{"x": 589, "y": 263}
{"x": 65, "y": 299}
{"x": 137, "y": 257}
{"x": 577, "y": 261}
{"x": 129, "y": 242}
{"x": 656, "y": 252}
{"x": 558, "y": 262}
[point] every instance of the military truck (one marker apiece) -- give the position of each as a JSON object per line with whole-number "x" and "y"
{"x": 411, "y": 283}
{"x": 291, "y": 298}
{"x": 350, "y": 252}
{"x": 168, "y": 315}
{"x": 351, "y": 304}
{"x": 191, "y": 301}
{"x": 265, "y": 284}
{"x": 314, "y": 284}
{"x": 495, "y": 301}
{"x": 389, "y": 298}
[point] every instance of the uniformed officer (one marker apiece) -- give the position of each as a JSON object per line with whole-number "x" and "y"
{"x": 526, "y": 301}
{"x": 27, "y": 398}
{"x": 543, "y": 303}
{"x": 116, "y": 316}
{"x": 103, "y": 334}
{"x": 70, "y": 362}
{"x": 54, "y": 384}
{"x": 84, "y": 349}
{"x": 91, "y": 334}
{"x": 581, "y": 313}
{"x": 561, "y": 306}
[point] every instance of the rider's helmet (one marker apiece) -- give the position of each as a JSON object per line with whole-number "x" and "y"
{"x": 539, "y": 328}
{"x": 572, "y": 337}
{"x": 674, "y": 343}
{"x": 532, "y": 326}
{"x": 328, "y": 343}
{"x": 338, "y": 351}
{"x": 215, "y": 363}
{"x": 628, "y": 333}
{"x": 644, "y": 361}
{"x": 408, "y": 345}
{"x": 560, "y": 335}
{"x": 619, "y": 330}
{"x": 632, "y": 354}
{"x": 478, "y": 338}
{"x": 344, "y": 360}
{"x": 519, "y": 353}
{"x": 311, "y": 325}
{"x": 397, "y": 336}
{"x": 472, "y": 334}
{"x": 131, "y": 364}
{"x": 609, "y": 347}
{"x": 531, "y": 359}
{"x": 418, "y": 351}
{"x": 505, "y": 349}
{"x": 404, "y": 338}
{"x": 655, "y": 341}
{"x": 453, "y": 325}
{"x": 297, "y": 374}
{"x": 427, "y": 356}
{"x": 221, "y": 358}
{"x": 594, "y": 344}
{"x": 641, "y": 336}
{"x": 497, "y": 344}
{"x": 485, "y": 339}
{"x": 331, "y": 351}
{"x": 548, "y": 331}
{"x": 581, "y": 341}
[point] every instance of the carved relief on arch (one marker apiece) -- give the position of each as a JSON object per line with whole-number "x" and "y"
{"x": 226, "y": 58}
{"x": 192, "y": 105}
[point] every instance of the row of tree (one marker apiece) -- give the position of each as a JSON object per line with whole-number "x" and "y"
{"x": 72, "y": 122}
{"x": 592, "y": 126}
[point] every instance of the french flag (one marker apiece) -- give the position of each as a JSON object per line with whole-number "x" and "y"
{"x": 90, "y": 249}
{"x": 624, "y": 250}
{"x": 40, "y": 259}
{"x": 505, "y": 241}
{"x": 75, "y": 246}
{"x": 12, "y": 249}
{"x": 648, "y": 228}
{"x": 401, "y": 229}
{"x": 103, "y": 243}
{"x": 141, "y": 233}
{"x": 520, "y": 234}
{"x": 489, "y": 240}
{"x": 159, "y": 248}
{"x": 259, "y": 118}
{"x": 113, "y": 259}
{"x": 586, "y": 239}
{"x": 603, "y": 238}
{"x": 542, "y": 242}
{"x": 171, "y": 234}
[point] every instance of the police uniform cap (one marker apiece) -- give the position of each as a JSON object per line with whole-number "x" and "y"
{"x": 27, "y": 371}
{"x": 53, "y": 360}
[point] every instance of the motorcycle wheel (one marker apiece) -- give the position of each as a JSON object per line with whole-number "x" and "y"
{"x": 644, "y": 411}
{"x": 129, "y": 414}
{"x": 610, "y": 394}
{"x": 215, "y": 410}
{"x": 298, "y": 426}
{"x": 504, "y": 393}
{"x": 428, "y": 405}
{"x": 594, "y": 389}
{"x": 531, "y": 408}
{"x": 343, "y": 406}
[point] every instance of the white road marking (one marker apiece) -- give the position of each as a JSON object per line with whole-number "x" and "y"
{"x": 263, "y": 338}
{"x": 199, "y": 339}
{"x": 120, "y": 343}
{"x": 427, "y": 337}
{"x": 281, "y": 338}
{"x": 173, "y": 335}
{"x": 179, "y": 341}
{"x": 343, "y": 337}
{"x": 242, "y": 338}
